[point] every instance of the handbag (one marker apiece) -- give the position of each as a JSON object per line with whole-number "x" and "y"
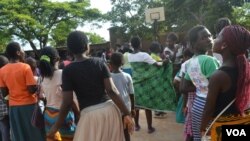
{"x": 37, "y": 119}
{"x": 205, "y": 137}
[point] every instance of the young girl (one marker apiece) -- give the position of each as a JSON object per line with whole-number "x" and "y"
{"x": 124, "y": 84}
{"x": 199, "y": 70}
{"x": 51, "y": 87}
{"x": 229, "y": 82}
{"x": 187, "y": 98}
{"x": 17, "y": 80}
{"x": 182, "y": 99}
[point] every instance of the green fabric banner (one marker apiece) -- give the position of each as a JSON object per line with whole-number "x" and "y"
{"x": 153, "y": 86}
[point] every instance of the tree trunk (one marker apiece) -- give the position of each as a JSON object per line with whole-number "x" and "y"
{"x": 33, "y": 46}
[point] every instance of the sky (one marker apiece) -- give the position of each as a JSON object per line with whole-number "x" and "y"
{"x": 104, "y": 6}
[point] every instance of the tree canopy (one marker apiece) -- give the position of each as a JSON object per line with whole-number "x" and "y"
{"x": 4, "y": 40}
{"x": 37, "y": 21}
{"x": 95, "y": 38}
{"x": 242, "y": 15}
{"x": 180, "y": 15}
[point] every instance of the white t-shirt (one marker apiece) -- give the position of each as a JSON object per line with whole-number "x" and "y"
{"x": 53, "y": 91}
{"x": 182, "y": 71}
{"x": 179, "y": 53}
{"x": 124, "y": 84}
{"x": 140, "y": 57}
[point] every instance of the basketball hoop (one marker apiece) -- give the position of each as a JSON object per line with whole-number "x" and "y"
{"x": 153, "y": 16}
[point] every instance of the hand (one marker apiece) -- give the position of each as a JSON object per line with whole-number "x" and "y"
{"x": 166, "y": 61}
{"x": 133, "y": 113}
{"x": 128, "y": 122}
{"x": 184, "y": 110}
{"x": 202, "y": 133}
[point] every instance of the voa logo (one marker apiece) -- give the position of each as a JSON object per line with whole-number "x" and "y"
{"x": 236, "y": 132}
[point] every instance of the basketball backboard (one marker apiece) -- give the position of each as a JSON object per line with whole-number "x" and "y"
{"x": 155, "y": 14}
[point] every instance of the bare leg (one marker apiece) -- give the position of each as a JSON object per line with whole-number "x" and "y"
{"x": 137, "y": 126}
{"x": 149, "y": 121}
{"x": 189, "y": 138}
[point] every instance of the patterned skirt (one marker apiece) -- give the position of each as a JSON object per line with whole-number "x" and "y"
{"x": 228, "y": 120}
{"x": 197, "y": 111}
{"x": 149, "y": 93}
{"x": 67, "y": 130}
{"x": 188, "y": 120}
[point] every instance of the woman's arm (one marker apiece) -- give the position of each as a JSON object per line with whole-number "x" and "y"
{"x": 32, "y": 89}
{"x": 5, "y": 92}
{"x": 75, "y": 109}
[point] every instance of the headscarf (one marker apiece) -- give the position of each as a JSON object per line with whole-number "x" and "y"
{"x": 237, "y": 39}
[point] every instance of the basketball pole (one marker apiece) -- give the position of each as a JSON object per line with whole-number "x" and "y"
{"x": 155, "y": 28}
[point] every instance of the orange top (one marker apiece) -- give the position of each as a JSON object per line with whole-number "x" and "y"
{"x": 16, "y": 77}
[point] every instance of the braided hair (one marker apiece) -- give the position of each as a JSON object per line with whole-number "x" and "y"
{"x": 237, "y": 39}
{"x": 48, "y": 58}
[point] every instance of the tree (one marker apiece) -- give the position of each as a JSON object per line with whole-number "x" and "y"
{"x": 242, "y": 15}
{"x": 181, "y": 15}
{"x": 33, "y": 21}
{"x": 187, "y": 13}
{"x": 95, "y": 38}
{"x": 60, "y": 32}
{"x": 220, "y": 8}
{"x": 4, "y": 40}
{"x": 129, "y": 16}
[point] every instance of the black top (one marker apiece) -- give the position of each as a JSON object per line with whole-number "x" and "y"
{"x": 86, "y": 79}
{"x": 225, "y": 98}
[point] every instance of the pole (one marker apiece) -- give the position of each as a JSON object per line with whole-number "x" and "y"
{"x": 155, "y": 26}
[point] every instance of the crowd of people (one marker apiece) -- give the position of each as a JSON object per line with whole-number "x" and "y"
{"x": 99, "y": 98}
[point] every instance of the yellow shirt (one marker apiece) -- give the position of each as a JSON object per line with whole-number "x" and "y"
{"x": 156, "y": 57}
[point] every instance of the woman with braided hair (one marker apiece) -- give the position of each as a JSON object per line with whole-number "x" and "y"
{"x": 51, "y": 88}
{"x": 231, "y": 81}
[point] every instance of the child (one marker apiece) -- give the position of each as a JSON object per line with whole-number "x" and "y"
{"x": 51, "y": 87}
{"x": 4, "y": 116}
{"x": 182, "y": 99}
{"x": 33, "y": 65}
{"x": 126, "y": 65}
{"x": 155, "y": 50}
{"x": 123, "y": 83}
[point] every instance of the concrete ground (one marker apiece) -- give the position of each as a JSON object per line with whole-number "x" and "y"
{"x": 166, "y": 129}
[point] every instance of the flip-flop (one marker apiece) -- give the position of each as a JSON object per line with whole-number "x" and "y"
{"x": 151, "y": 130}
{"x": 137, "y": 128}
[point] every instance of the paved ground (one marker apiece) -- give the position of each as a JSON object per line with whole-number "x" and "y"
{"x": 166, "y": 129}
